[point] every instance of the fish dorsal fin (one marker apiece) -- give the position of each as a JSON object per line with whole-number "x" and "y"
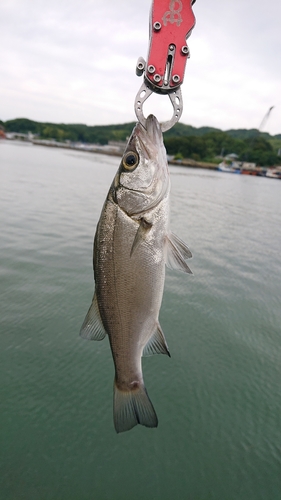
{"x": 176, "y": 254}
{"x": 156, "y": 344}
{"x": 141, "y": 233}
{"x": 92, "y": 328}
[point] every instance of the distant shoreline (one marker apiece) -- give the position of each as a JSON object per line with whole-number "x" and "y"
{"x": 186, "y": 162}
{"x": 118, "y": 150}
{"x": 202, "y": 147}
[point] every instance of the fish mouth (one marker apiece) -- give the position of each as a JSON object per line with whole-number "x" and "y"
{"x": 147, "y": 141}
{"x": 151, "y": 131}
{"x": 142, "y": 146}
{"x": 153, "y": 127}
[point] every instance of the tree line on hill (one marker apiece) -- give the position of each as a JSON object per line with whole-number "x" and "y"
{"x": 183, "y": 141}
{"x": 213, "y": 144}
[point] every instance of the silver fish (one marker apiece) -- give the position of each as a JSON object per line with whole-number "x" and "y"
{"x": 131, "y": 247}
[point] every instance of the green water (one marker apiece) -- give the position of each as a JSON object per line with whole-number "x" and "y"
{"x": 218, "y": 399}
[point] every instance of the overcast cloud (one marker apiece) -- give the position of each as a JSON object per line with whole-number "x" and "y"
{"x": 73, "y": 61}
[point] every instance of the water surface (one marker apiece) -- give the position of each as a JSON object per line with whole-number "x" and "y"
{"x": 218, "y": 398}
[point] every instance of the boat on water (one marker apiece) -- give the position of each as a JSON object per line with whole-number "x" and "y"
{"x": 248, "y": 171}
{"x": 274, "y": 173}
{"x": 244, "y": 168}
{"x": 230, "y": 167}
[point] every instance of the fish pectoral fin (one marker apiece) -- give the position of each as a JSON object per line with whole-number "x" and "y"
{"x": 157, "y": 344}
{"x": 141, "y": 234}
{"x": 132, "y": 407}
{"x": 92, "y": 328}
{"x": 177, "y": 253}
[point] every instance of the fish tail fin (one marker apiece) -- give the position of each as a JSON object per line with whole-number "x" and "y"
{"x": 133, "y": 407}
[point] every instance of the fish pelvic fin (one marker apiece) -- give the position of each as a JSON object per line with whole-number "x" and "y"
{"x": 132, "y": 407}
{"x": 92, "y": 328}
{"x": 157, "y": 344}
{"x": 177, "y": 252}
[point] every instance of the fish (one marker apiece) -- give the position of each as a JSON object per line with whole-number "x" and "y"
{"x": 132, "y": 245}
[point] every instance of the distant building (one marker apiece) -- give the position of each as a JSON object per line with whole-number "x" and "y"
{"x": 17, "y": 136}
{"x": 118, "y": 146}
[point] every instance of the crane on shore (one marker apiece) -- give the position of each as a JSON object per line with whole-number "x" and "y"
{"x": 265, "y": 118}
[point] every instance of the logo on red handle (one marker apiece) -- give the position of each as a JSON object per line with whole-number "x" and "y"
{"x": 173, "y": 15}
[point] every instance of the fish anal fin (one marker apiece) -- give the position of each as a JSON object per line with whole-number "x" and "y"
{"x": 157, "y": 344}
{"x": 132, "y": 407}
{"x": 141, "y": 234}
{"x": 92, "y": 328}
{"x": 177, "y": 253}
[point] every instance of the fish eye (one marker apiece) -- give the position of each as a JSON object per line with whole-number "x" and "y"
{"x": 130, "y": 160}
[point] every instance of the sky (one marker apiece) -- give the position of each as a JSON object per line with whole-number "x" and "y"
{"x": 73, "y": 61}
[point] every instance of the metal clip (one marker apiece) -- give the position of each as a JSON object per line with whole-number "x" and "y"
{"x": 175, "y": 97}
